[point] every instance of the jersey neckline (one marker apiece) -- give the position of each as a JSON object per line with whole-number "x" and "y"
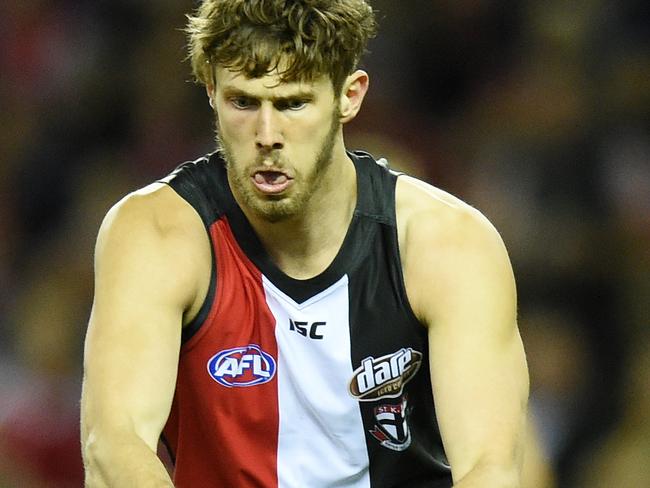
{"x": 343, "y": 263}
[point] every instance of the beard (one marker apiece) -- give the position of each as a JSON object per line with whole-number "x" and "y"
{"x": 277, "y": 208}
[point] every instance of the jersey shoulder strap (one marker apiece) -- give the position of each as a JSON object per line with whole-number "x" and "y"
{"x": 203, "y": 184}
{"x": 376, "y": 196}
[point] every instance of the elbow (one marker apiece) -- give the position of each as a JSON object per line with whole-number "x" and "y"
{"x": 491, "y": 475}
{"x": 92, "y": 460}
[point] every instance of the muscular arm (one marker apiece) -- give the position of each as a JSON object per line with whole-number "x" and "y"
{"x": 461, "y": 285}
{"x": 145, "y": 279}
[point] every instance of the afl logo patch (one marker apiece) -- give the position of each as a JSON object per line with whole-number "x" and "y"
{"x": 242, "y": 366}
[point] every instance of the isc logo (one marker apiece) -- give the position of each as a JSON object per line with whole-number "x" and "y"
{"x": 306, "y": 329}
{"x": 242, "y": 366}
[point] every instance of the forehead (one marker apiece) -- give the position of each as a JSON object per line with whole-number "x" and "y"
{"x": 269, "y": 85}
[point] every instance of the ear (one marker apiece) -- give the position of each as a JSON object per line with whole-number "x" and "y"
{"x": 352, "y": 94}
{"x": 211, "y": 93}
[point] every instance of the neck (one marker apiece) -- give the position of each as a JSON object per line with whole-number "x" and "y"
{"x": 305, "y": 245}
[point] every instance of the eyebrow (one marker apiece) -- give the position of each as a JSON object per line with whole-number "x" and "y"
{"x": 231, "y": 91}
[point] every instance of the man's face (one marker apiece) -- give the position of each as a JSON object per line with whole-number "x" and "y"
{"x": 277, "y": 139}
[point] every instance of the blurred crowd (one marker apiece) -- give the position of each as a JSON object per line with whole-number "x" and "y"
{"x": 534, "y": 111}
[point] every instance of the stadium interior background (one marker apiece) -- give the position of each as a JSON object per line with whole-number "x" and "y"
{"x": 534, "y": 111}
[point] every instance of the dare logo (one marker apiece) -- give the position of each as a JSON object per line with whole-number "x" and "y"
{"x": 384, "y": 377}
{"x": 242, "y": 366}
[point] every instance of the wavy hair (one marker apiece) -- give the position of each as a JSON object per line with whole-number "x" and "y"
{"x": 303, "y": 39}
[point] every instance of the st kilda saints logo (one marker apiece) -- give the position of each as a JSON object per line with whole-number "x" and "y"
{"x": 384, "y": 377}
{"x": 391, "y": 426}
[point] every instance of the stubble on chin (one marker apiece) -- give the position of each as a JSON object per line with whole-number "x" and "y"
{"x": 282, "y": 207}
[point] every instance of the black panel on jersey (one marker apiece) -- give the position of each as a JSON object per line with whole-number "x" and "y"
{"x": 382, "y": 322}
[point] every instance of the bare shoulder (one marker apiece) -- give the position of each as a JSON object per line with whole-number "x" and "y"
{"x": 155, "y": 208}
{"x": 154, "y": 233}
{"x": 447, "y": 246}
{"x": 429, "y": 216}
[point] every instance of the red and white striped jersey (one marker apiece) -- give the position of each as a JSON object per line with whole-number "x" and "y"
{"x": 303, "y": 383}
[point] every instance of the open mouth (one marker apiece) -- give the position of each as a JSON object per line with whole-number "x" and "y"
{"x": 271, "y": 182}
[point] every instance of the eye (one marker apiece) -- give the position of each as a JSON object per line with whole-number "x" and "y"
{"x": 242, "y": 103}
{"x": 291, "y": 104}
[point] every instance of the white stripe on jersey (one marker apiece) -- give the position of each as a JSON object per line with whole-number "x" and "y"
{"x": 321, "y": 438}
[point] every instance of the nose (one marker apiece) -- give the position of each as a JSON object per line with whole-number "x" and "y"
{"x": 268, "y": 134}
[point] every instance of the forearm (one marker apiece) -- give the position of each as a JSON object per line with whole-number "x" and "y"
{"x": 122, "y": 460}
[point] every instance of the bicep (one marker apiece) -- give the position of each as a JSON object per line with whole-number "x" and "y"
{"x": 478, "y": 369}
{"x": 133, "y": 339}
{"x": 480, "y": 389}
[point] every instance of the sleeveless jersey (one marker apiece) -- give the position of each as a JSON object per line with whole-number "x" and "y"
{"x": 309, "y": 383}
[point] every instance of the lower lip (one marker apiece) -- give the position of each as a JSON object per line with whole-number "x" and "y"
{"x": 271, "y": 189}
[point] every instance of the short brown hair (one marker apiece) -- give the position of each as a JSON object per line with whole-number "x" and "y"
{"x": 310, "y": 38}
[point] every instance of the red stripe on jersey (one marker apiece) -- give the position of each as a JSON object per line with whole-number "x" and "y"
{"x": 227, "y": 435}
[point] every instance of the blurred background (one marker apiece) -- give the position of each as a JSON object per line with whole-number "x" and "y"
{"x": 535, "y": 111}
